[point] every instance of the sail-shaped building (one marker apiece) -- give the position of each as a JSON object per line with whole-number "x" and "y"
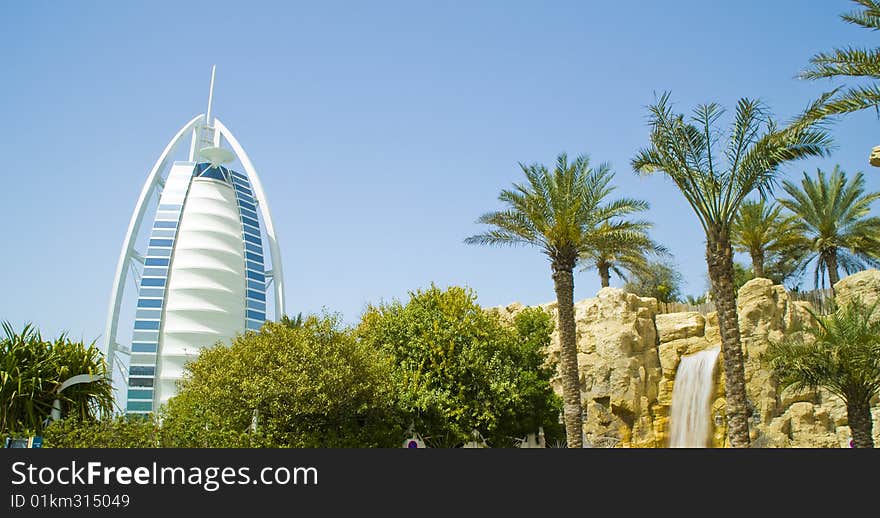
{"x": 210, "y": 264}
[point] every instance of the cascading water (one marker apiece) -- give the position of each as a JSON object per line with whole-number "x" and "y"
{"x": 690, "y": 420}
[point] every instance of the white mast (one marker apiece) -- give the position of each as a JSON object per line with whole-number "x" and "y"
{"x": 209, "y": 145}
{"x": 210, "y": 97}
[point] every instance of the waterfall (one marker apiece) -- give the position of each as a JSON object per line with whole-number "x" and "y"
{"x": 690, "y": 419}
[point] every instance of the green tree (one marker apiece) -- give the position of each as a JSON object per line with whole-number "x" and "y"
{"x": 659, "y": 280}
{"x": 715, "y": 173}
{"x": 852, "y": 62}
{"x": 460, "y": 369}
{"x": 768, "y": 236}
{"x": 696, "y": 300}
{"x": 561, "y": 212}
{"x": 833, "y": 217}
{"x": 284, "y": 386}
{"x": 842, "y": 356}
{"x": 624, "y": 251}
{"x": 32, "y": 370}
{"x": 741, "y": 275}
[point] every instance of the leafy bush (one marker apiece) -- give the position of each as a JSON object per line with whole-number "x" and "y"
{"x": 460, "y": 369}
{"x": 310, "y": 385}
{"x": 110, "y": 432}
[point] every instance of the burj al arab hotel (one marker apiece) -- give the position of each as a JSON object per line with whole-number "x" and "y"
{"x": 203, "y": 271}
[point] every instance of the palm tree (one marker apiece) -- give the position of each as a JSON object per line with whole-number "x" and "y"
{"x": 32, "y": 370}
{"x": 292, "y": 322}
{"x": 562, "y": 213}
{"x": 841, "y": 357}
{"x": 625, "y": 249}
{"x": 715, "y": 182}
{"x": 852, "y": 62}
{"x": 768, "y": 236}
{"x": 833, "y": 217}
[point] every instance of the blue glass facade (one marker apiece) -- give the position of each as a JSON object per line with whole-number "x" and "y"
{"x": 255, "y": 268}
{"x": 148, "y": 317}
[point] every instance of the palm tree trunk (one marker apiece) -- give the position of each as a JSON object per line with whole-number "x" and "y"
{"x": 719, "y": 258}
{"x": 833, "y": 277}
{"x": 604, "y": 274}
{"x": 859, "y": 416}
{"x": 758, "y": 264}
{"x": 563, "y": 282}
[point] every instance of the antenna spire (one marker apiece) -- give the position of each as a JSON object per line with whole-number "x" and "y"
{"x": 210, "y": 97}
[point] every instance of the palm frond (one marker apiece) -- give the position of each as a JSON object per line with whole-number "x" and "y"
{"x": 559, "y": 210}
{"x": 848, "y": 61}
{"x": 869, "y": 17}
{"x": 854, "y": 99}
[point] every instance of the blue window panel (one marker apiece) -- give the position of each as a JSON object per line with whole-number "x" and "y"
{"x": 244, "y": 197}
{"x": 242, "y": 188}
{"x": 214, "y": 173}
{"x": 201, "y": 167}
{"x": 250, "y": 221}
{"x": 146, "y": 324}
{"x": 252, "y": 239}
{"x": 256, "y": 315}
{"x": 141, "y": 370}
{"x": 236, "y": 174}
{"x": 148, "y": 314}
{"x": 257, "y": 267}
{"x": 254, "y": 285}
{"x": 152, "y": 281}
{"x": 143, "y": 348}
{"x": 246, "y": 205}
{"x": 149, "y": 303}
{"x": 256, "y": 295}
{"x": 254, "y": 248}
{"x": 145, "y": 336}
{"x": 165, "y": 224}
{"x": 164, "y": 232}
{"x": 239, "y": 182}
{"x": 256, "y": 276}
{"x": 140, "y": 406}
{"x": 253, "y": 257}
{"x": 161, "y": 242}
{"x": 140, "y": 382}
{"x": 249, "y": 213}
{"x": 140, "y": 394}
{"x": 156, "y": 261}
{"x": 253, "y": 304}
{"x": 159, "y": 252}
{"x": 170, "y": 206}
{"x": 152, "y": 292}
{"x": 253, "y": 325}
{"x": 254, "y": 231}
{"x": 138, "y": 347}
{"x": 251, "y": 231}
{"x": 155, "y": 272}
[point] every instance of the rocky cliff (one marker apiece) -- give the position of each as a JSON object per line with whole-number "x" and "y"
{"x": 628, "y": 354}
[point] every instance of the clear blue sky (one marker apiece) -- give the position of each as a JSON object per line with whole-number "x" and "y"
{"x": 381, "y": 130}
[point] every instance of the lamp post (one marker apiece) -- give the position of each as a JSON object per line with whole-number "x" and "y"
{"x": 74, "y": 380}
